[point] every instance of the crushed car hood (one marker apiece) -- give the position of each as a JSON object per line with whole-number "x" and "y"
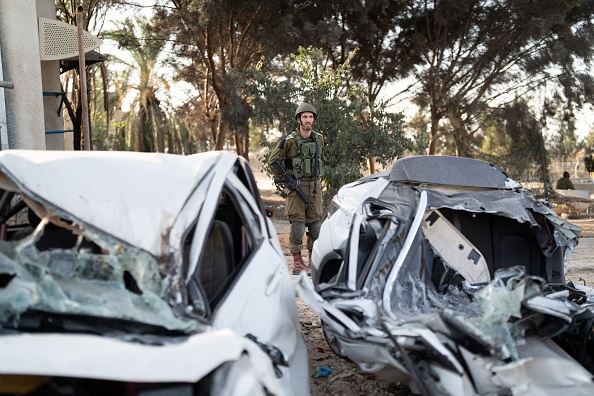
{"x": 107, "y": 196}
{"x": 116, "y": 205}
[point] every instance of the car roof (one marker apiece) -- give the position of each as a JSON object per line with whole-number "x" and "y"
{"x": 448, "y": 170}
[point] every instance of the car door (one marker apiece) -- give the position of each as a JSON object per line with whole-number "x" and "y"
{"x": 241, "y": 273}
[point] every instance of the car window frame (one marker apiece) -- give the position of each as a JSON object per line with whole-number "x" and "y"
{"x": 249, "y": 214}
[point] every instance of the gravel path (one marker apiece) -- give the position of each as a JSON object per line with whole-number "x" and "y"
{"x": 581, "y": 268}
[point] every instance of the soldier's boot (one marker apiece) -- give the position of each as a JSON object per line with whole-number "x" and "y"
{"x": 309, "y": 264}
{"x": 298, "y": 264}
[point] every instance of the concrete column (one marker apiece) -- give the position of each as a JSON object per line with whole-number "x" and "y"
{"x": 19, "y": 40}
{"x": 50, "y": 79}
{"x": 3, "y": 128}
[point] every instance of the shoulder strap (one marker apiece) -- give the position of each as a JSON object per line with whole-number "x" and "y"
{"x": 297, "y": 136}
{"x": 316, "y": 170}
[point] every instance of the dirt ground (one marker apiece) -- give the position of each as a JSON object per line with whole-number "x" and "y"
{"x": 587, "y": 226}
{"x": 345, "y": 378}
{"x": 581, "y": 263}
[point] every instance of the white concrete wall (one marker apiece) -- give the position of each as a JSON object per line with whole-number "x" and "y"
{"x": 50, "y": 78}
{"x": 21, "y": 65}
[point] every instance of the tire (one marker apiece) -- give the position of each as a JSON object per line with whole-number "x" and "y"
{"x": 332, "y": 342}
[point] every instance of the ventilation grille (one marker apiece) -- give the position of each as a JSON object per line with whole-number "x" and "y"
{"x": 59, "y": 40}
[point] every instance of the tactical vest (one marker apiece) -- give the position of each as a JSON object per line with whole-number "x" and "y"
{"x": 304, "y": 163}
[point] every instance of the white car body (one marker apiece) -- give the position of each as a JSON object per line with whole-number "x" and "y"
{"x": 445, "y": 274}
{"x": 150, "y": 220}
{"x": 336, "y": 228}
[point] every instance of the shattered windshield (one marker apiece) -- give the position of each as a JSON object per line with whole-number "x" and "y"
{"x": 124, "y": 283}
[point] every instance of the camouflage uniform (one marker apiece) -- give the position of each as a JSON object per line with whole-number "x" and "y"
{"x": 298, "y": 156}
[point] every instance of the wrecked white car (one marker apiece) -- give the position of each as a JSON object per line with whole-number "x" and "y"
{"x": 142, "y": 274}
{"x": 445, "y": 274}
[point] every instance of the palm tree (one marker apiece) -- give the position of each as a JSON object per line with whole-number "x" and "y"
{"x": 146, "y": 121}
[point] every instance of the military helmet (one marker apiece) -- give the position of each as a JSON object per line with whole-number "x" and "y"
{"x": 303, "y": 107}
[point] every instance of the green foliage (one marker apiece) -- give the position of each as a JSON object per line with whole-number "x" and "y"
{"x": 94, "y": 11}
{"x": 100, "y": 136}
{"x": 214, "y": 40}
{"x": 512, "y": 140}
{"x": 103, "y": 140}
{"x": 352, "y": 130}
{"x": 563, "y": 142}
{"x": 417, "y": 129}
{"x": 150, "y": 125}
{"x": 471, "y": 55}
{"x": 380, "y": 31}
{"x": 589, "y": 148}
{"x": 588, "y": 143}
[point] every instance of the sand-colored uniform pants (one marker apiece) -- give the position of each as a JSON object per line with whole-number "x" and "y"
{"x": 301, "y": 216}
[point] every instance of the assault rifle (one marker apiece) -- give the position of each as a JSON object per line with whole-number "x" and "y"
{"x": 290, "y": 183}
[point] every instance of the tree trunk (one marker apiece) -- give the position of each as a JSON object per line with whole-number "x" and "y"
{"x": 242, "y": 142}
{"x": 246, "y": 145}
{"x": 371, "y": 161}
{"x": 75, "y": 118}
{"x": 104, "y": 77}
{"x": 138, "y": 137}
{"x": 76, "y": 127}
{"x": 434, "y": 133}
{"x": 89, "y": 107}
{"x": 237, "y": 140}
{"x": 221, "y": 135}
{"x": 214, "y": 130}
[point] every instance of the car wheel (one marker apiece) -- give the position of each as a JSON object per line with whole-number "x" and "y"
{"x": 329, "y": 270}
{"x": 332, "y": 341}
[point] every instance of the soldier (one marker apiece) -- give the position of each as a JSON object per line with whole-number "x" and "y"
{"x": 301, "y": 153}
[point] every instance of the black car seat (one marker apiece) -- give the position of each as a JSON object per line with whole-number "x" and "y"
{"x": 217, "y": 261}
